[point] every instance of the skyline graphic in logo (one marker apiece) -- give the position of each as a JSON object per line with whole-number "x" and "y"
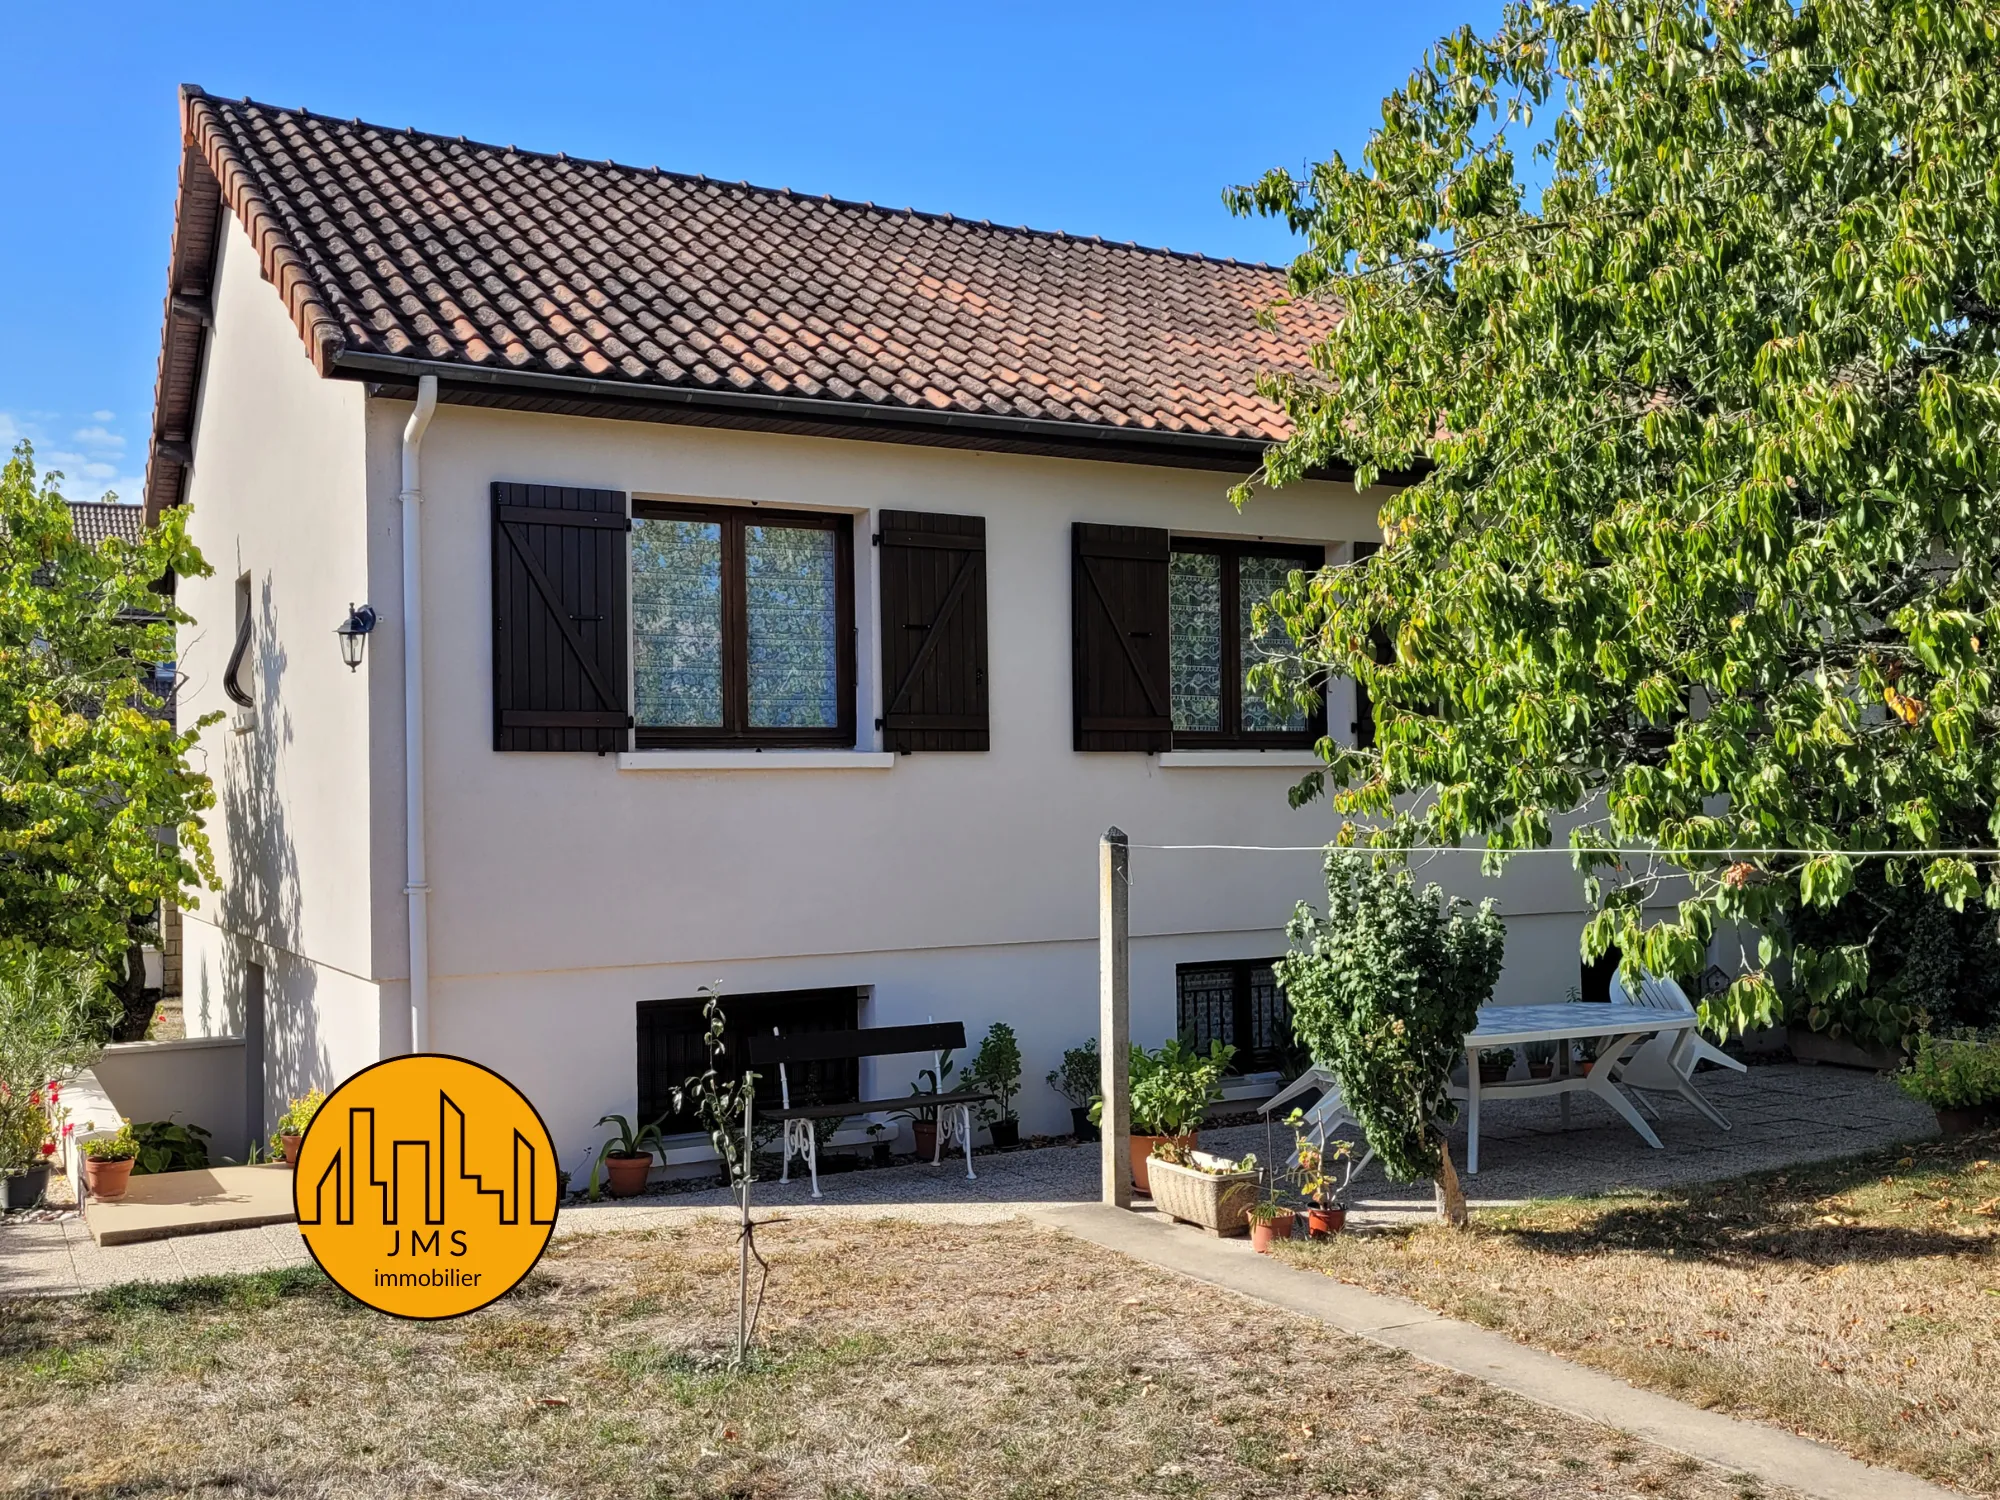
{"x": 426, "y": 1186}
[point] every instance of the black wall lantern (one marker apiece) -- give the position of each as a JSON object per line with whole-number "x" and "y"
{"x": 353, "y": 633}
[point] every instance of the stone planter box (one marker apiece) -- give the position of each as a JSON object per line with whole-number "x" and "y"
{"x": 1810, "y": 1046}
{"x": 1218, "y": 1202}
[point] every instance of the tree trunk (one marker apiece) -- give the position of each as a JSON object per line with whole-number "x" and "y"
{"x": 135, "y": 1007}
{"x": 1450, "y": 1197}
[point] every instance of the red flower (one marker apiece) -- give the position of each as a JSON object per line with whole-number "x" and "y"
{"x": 48, "y": 1148}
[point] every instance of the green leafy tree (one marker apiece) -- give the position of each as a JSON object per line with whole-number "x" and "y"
{"x": 1699, "y": 553}
{"x": 1383, "y": 988}
{"x": 100, "y": 813}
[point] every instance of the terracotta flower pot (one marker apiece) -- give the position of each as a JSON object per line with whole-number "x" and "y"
{"x": 1321, "y": 1222}
{"x": 1541, "y": 1070}
{"x": 290, "y": 1143}
{"x": 1491, "y": 1075}
{"x": 106, "y": 1179}
{"x": 925, "y": 1132}
{"x": 1265, "y": 1235}
{"x": 1142, "y": 1151}
{"x": 628, "y": 1174}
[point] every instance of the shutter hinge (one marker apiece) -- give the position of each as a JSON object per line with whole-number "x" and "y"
{"x": 875, "y": 540}
{"x": 878, "y": 723}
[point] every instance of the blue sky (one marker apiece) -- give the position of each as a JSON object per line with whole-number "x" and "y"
{"x": 1120, "y": 120}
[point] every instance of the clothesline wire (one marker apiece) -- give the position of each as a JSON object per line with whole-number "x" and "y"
{"x": 1552, "y": 849}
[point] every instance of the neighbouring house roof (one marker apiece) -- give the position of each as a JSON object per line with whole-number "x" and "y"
{"x": 95, "y": 521}
{"x": 530, "y": 280}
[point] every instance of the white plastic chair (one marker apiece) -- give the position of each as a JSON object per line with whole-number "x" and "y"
{"x": 1323, "y": 1118}
{"x": 1666, "y": 1063}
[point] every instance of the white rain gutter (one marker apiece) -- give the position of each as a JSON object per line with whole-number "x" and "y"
{"x": 416, "y": 885}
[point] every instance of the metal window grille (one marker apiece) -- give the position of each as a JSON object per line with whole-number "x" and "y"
{"x": 1240, "y": 1004}
{"x": 672, "y": 1048}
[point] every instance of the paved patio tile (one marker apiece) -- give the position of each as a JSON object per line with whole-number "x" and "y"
{"x": 1782, "y": 1113}
{"x": 35, "y": 1261}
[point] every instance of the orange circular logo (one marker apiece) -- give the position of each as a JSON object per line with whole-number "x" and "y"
{"x": 426, "y": 1186}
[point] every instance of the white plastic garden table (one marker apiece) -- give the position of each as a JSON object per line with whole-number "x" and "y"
{"x": 1517, "y": 1025}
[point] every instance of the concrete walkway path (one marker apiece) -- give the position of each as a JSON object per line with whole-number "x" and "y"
{"x": 1770, "y": 1453}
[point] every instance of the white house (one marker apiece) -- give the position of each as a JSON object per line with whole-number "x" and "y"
{"x": 771, "y": 591}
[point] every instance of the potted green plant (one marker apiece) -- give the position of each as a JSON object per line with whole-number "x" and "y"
{"x": 165, "y": 1146}
{"x": 1958, "y": 1077}
{"x": 923, "y": 1118}
{"x": 627, "y": 1158}
{"x": 26, "y": 1148}
{"x": 1171, "y": 1090}
{"x": 1541, "y": 1059}
{"x": 1077, "y": 1080}
{"x": 293, "y": 1123}
{"x": 1270, "y": 1221}
{"x": 1325, "y": 1192}
{"x": 1197, "y": 1188}
{"x": 1495, "y": 1063}
{"x": 996, "y": 1069}
{"x": 107, "y": 1162}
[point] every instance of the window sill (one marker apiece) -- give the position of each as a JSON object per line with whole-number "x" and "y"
{"x": 755, "y": 760}
{"x": 1289, "y": 760}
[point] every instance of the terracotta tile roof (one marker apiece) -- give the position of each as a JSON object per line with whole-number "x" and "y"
{"x": 95, "y": 521}
{"x": 510, "y": 267}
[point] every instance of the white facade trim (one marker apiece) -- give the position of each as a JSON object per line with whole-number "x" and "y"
{"x": 756, "y": 760}
{"x": 1236, "y": 760}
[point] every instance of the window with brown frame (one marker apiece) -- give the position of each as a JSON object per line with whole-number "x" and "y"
{"x": 742, "y": 627}
{"x": 1212, "y": 587}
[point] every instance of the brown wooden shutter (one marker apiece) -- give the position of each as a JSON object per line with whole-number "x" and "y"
{"x": 1378, "y": 648}
{"x": 933, "y": 631}
{"x": 559, "y": 618}
{"x": 1118, "y": 612}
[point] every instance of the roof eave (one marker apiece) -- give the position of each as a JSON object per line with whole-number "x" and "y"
{"x": 1127, "y": 444}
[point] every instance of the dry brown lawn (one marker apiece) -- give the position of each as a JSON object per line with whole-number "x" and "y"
{"x": 1856, "y": 1301}
{"x": 899, "y": 1360}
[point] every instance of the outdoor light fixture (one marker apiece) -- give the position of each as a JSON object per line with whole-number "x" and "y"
{"x": 353, "y": 633}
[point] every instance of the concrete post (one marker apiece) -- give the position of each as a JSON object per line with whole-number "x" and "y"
{"x": 1114, "y": 1024}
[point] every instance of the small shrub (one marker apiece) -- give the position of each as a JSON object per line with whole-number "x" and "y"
{"x": 996, "y": 1068}
{"x": 1078, "y": 1077}
{"x": 1172, "y": 1088}
{"x": 167, "y": 1147}
{"x": 123, "y": 1146}
{"x": 298, "y": 1115}
{"x": 1958, "y": 1072}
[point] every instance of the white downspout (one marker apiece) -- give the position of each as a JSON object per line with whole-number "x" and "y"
{"x": 416, "y": 886}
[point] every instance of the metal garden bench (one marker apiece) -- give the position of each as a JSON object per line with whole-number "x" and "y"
{"x": 954, "y": 1110}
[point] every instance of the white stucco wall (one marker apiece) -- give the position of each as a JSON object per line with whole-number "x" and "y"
{"x": 278, "y": 476}
{"x": 566, "y": 889}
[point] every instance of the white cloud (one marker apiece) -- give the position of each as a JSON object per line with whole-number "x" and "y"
{"x": 95, "y": 465}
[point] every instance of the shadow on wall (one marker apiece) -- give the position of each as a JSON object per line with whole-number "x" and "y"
{"x": 259, "y": 905}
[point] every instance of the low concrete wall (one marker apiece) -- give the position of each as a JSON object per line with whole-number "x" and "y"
{"x": 195, "y": 1082}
